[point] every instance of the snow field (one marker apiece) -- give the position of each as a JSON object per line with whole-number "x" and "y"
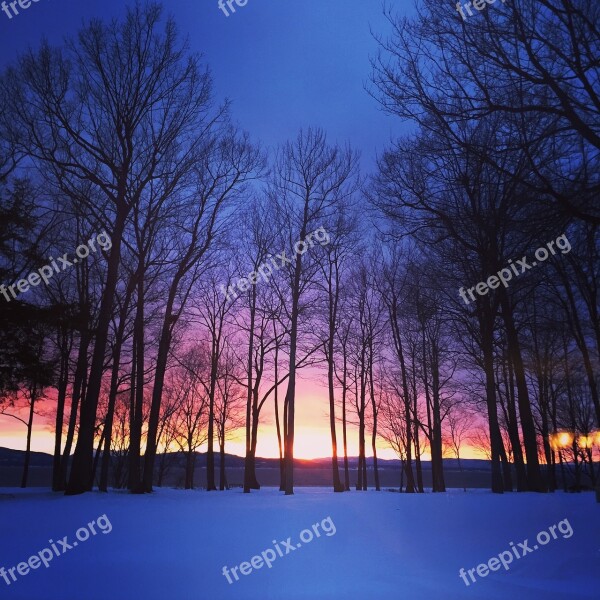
{"x": 174, "y": 544}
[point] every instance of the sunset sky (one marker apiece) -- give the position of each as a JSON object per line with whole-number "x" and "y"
{"x": 312, "y": 438}
{"x": 300, "y": 51}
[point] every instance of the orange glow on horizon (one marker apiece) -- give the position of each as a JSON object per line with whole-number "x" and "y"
{"x": 566, "y": 439}
{"x": 310, "y": 442}
{"x": 312, "y": 435}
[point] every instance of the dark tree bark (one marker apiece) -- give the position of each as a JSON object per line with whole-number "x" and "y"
{"x": 290, "y": 395}
{"x": 32, "y": 391}
{"x": 80, "y": 479}
{"x": 277, "y": 421}
{"x": 512, "y": 426}
{"x": 440, "y": 485}
{"x": 375, "y": 411}
{"x": 210, "y": 453}
{"x": 114, "y": 387}
{"x": 534, "y": 475}
{"x": 65, "y": 347}
{"x": 486, "y": 324}
{"x": 137, "y": 398}
{"x": 250, "y": 481}
{"x": 78, "y": 390}
{"x": 344, "y": 428}
{"x": 393, "y": 314}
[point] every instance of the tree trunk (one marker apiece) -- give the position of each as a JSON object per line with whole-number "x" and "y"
{"x": 210, "y": 453}
{"x": 80, "y": 480}
{"x": 333, "y": 297}
{"x": 429, "y": 406}
{"x": 63, "y": 380}
{"x": 290, "y": 396}
{"x": 136, "y": 415}
{"x": 189, "y": 470}
{"x": 32, "y": 398}
{"x": 337, "y": 484}
{"x": 251, "y": 475}
{"x": 486, "y": 324}
{"x": 344, "y": 430}
{"x": 112, "y": 396}
{"x": 507, "y": 475}
{"x": 278, "y": 424}
{"x": 393, "y": 309}
{"x": 78, "y": 389}
{"x": 108, "y": 425}
{"x": 164, "y": 345}
{"x": 361, "y": 483}
{"x": 285, "y": 422}
{"x": 222, "y": 477}
{"x": 418, "y": 466}
{"x": 374, "y": 409}
{"x": 437, "y": 449}
{"x": 133, "y": 456}
{"x": 534, "y": 475}
{"x": 513, "y": 430}
{"x": 98, "y": 452}
{"x": 248, "y": 463}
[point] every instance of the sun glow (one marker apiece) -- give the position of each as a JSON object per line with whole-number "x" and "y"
{"x": 310, "y": 441}
{"x": 565, "y": 439}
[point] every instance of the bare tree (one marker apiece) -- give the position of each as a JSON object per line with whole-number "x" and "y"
{"x": 229, "y": 404}
{"x": 311, "y": 180}
{"x": 118, "y": 105}
{"x": 213, "y": 308}
{"x": 334, "y": 261}
{"x": 190, "y": 417}
{"x": 460, "y": 424}
{"x": 228, "y": 161}
{"x": 532, "y": 64}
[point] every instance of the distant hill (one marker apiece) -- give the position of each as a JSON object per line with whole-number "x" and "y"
{"x": 15, "y": 458}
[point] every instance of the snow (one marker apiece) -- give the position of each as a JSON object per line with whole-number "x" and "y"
{"x": 173, "y": 545}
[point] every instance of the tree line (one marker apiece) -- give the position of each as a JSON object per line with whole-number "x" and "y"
{"x": 141, "y": 350}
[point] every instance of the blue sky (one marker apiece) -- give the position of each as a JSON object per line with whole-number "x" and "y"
{"x": 285, "y": 64}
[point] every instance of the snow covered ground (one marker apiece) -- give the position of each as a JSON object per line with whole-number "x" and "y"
{"x": 174, "y": 544}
